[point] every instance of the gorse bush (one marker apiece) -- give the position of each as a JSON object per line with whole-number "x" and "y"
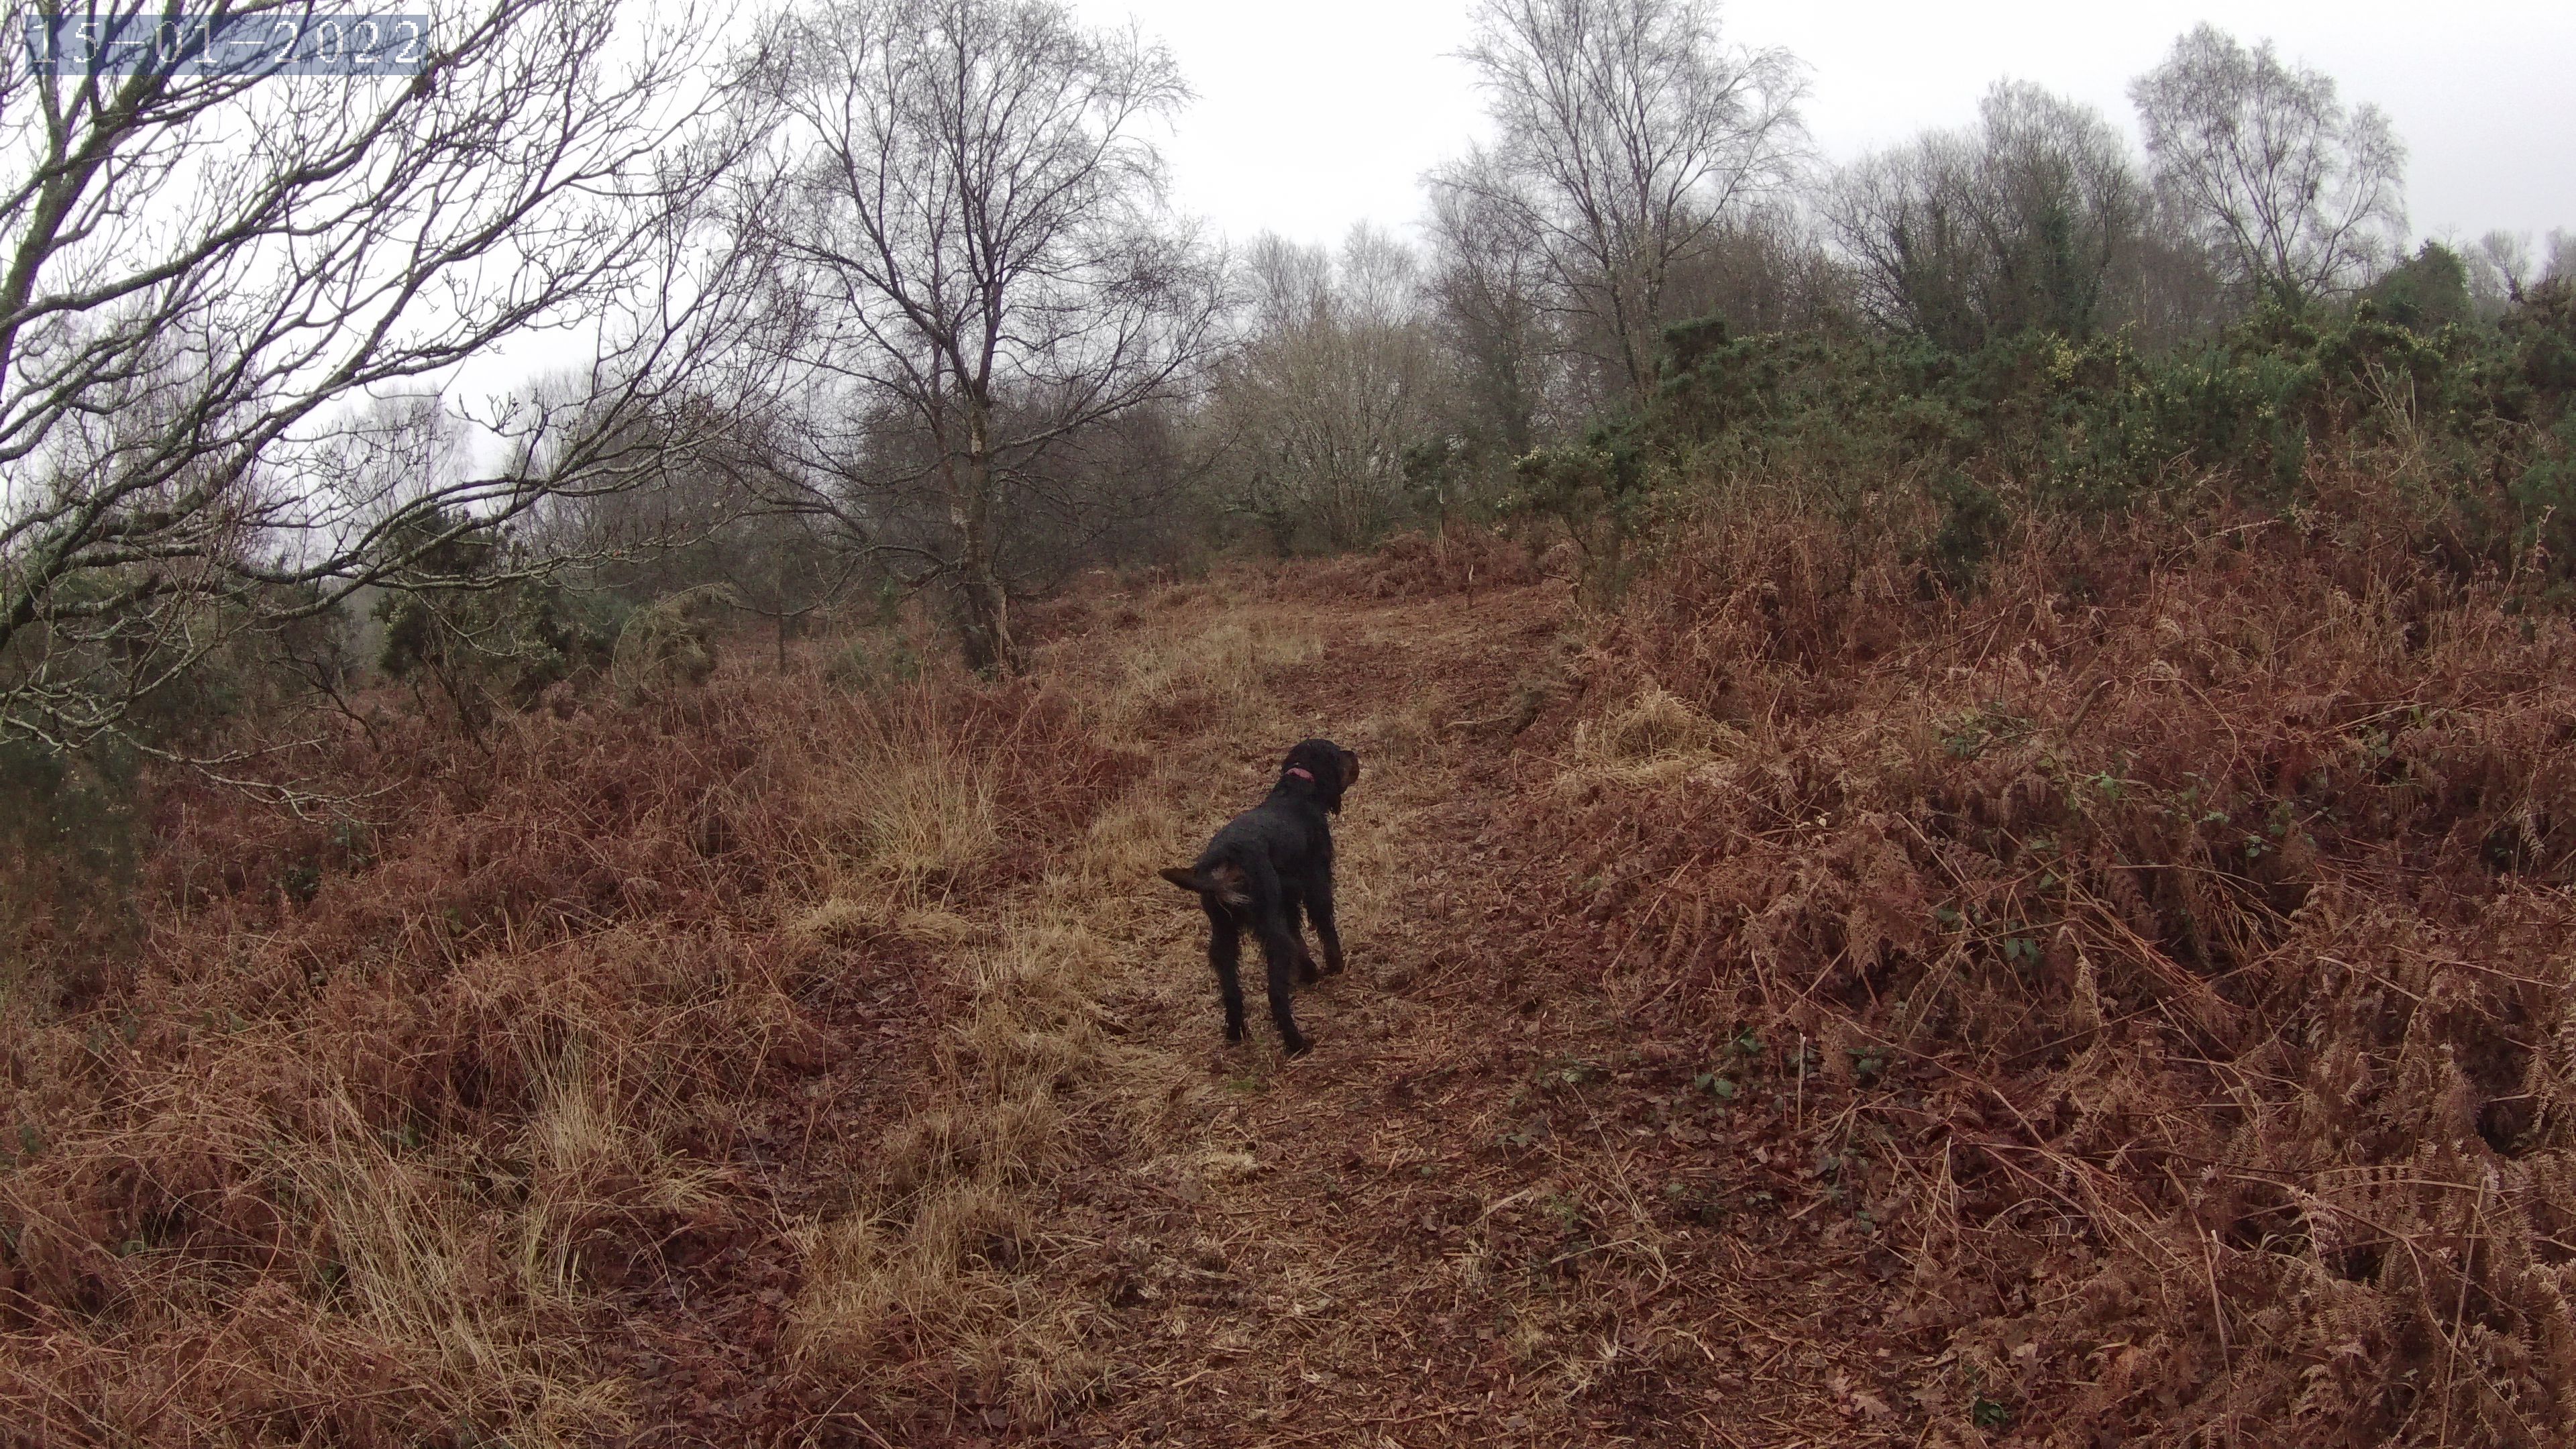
{"x": 1889, "y": 430}
{"x": 670, "y": 643}
{"x": 1600, "y": 492}
{"x": 70, "y": 830}
{"x": 481, "y": 632}
{"x": 2427, "y": 291}
{"x": 872, "y": 662}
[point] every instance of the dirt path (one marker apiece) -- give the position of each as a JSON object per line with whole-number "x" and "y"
{"x": 1495, "y": 1205}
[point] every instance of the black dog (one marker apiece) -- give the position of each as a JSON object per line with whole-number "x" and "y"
{"x": 1266, "y": 866}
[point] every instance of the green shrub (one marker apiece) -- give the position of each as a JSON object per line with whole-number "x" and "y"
{"x": 1598, "y": 491}
{"x": 462, "y": 621}
{"x": 70, "y": 828}
{"x": 2426, "y": 292}
{"x": 670, "y": 643}
{"x": 1973, "y": 521}
{"x": 2470, "y": 416}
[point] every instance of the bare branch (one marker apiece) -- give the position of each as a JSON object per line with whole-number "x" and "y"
{"x": 208, "y": 282}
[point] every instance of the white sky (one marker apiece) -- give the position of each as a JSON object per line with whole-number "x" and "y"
{"x": 1315, "y": 114}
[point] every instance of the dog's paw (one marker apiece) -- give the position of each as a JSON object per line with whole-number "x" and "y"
{"x": 1297, "y": 1046}
{"x": 1234, "y": 1034}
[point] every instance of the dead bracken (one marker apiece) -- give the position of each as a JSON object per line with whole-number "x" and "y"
{"x": 1765, "y": 1034}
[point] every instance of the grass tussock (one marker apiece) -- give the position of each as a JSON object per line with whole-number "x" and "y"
{"x": 2173, "y": 937}
{"x": 1179, "y": 682}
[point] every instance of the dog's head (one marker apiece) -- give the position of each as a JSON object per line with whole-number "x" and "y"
{"x": 1327, "y": 766}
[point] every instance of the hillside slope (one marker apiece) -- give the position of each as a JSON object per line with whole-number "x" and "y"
{"x": 2129, "y": 1006}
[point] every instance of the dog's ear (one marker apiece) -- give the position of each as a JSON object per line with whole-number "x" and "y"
{"x": 1182, "y": 876}
{"x": 1350, "y": 768}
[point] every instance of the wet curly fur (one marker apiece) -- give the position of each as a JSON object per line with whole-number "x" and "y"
{"x": 1267, "y": 868}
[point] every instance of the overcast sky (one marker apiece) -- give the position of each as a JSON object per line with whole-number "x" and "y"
{"x": 1315, "y": 114}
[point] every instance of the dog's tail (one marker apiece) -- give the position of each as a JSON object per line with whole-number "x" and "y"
{"x": 1223, "y": 882}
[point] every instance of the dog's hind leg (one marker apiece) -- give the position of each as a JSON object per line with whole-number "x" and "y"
{"x": 1279, "y": 953}
{"x": 1225, "y": 953}
{"x": 1269, "y": 916}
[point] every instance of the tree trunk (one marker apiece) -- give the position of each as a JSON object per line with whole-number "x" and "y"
{"x": 985, "y": 604}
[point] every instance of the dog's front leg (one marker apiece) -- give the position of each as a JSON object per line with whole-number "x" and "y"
{"x": 1318, "y": 893}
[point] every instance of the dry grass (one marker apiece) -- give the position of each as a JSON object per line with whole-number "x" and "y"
{"x": 519, "y": 1060}
{"x": 2130, "y": 1005}
{"x": 936, "y": 1280}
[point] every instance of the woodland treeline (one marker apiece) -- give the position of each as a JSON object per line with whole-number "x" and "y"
{"x": 885, "y": 300}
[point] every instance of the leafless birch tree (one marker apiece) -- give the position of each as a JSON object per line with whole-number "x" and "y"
{"x": 1336, "y": 374}
{"x": 2035, "y": 218}
{"x": 974, "y": 263}
{"x": 2298, "y": 197}
{"x": 1626, "y": 134}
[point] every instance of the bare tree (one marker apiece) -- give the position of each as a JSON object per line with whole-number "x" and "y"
{"x": 2299, "y": 197}
{"x": 1766, "y": 270}
{"x": 1337, "y": 376}
{"x": 1489, "y": 282}
{"x": 2504, "y": 266}
{"x": 1626, "y": 134}
{"x": 208, "y": 277}
{"x": 975, "y": 259}
{"x": 783, "y": 566}
{"x": 2034, "y": 219}
{"x": 2499, "y": 266}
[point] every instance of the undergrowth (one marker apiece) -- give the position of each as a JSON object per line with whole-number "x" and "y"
{"x": 2181, "y": 921}
{"x": 2156, "y": 953}
{"x": 393, "y": 1129}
